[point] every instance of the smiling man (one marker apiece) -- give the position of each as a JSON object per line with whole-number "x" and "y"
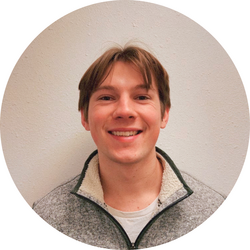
{"x": 130, "y": 193}
{"x": 124, "y": 118}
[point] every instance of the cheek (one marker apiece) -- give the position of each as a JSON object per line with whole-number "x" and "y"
{"x": 96, "y": 124}
{"x": 152, "y": 117}
{"x": 95, "y": 115}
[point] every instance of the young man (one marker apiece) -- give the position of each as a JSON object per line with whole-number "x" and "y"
{"x": 130, "y": 193}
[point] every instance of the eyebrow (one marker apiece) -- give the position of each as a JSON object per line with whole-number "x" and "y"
{"x": 106, "y": 88}
{"x": 143, "y": 86}
{"x": 139, "y": 86}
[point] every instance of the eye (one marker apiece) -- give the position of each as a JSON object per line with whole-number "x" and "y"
{"x": 105, "y": 98}
{"x": 142, "y": 97}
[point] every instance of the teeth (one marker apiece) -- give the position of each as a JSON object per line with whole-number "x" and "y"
{"x": 124, "y": 133}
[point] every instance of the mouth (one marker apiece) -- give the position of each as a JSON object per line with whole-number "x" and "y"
{"x": 125, "y": 133}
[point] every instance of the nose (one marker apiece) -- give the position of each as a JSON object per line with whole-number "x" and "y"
{"x": 124, "y": 109}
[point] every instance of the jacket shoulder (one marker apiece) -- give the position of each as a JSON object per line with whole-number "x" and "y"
{"x": 203, "y": 191}
{"x": 54, "y": 204}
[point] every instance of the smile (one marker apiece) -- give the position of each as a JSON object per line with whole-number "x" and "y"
{"x": 125, "y": 133}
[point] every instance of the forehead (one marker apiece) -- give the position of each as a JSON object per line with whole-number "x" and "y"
{"x": 126, "y": 73}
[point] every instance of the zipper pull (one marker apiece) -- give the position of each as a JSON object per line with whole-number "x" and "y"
{"x": 133, "y": 246}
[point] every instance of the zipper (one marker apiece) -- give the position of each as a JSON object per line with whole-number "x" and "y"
{"x": 121, "y": 229}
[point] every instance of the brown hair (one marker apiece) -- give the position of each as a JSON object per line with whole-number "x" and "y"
{"x": 146, "y": 63}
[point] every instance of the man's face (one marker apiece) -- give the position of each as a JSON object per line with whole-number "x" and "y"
{"x": 124, "y": 117}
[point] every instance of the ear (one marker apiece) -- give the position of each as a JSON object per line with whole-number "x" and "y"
{"x": 165, "y": 118}
{"x": 84, "y": 121}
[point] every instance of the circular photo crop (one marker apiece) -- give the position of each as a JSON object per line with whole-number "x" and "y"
{"x": 124, "y": 125}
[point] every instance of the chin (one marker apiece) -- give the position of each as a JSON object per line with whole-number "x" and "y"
{"x": 125, "y": 157}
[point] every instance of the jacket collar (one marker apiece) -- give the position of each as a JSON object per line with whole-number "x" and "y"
{"x": 173, "y": 189}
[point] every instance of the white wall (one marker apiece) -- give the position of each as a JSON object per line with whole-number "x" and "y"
{"x": 43, "y": 141}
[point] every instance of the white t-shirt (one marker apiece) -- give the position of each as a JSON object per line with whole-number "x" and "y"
{"x": 134, "y": 222}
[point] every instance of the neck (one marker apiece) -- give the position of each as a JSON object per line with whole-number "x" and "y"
{"x": 131, "y": 187}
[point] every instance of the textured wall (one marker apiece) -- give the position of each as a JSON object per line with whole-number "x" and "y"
{"x": 42, "y": 137}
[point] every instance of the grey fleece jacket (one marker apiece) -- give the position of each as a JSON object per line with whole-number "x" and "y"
{"x": 77, "y": 208}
